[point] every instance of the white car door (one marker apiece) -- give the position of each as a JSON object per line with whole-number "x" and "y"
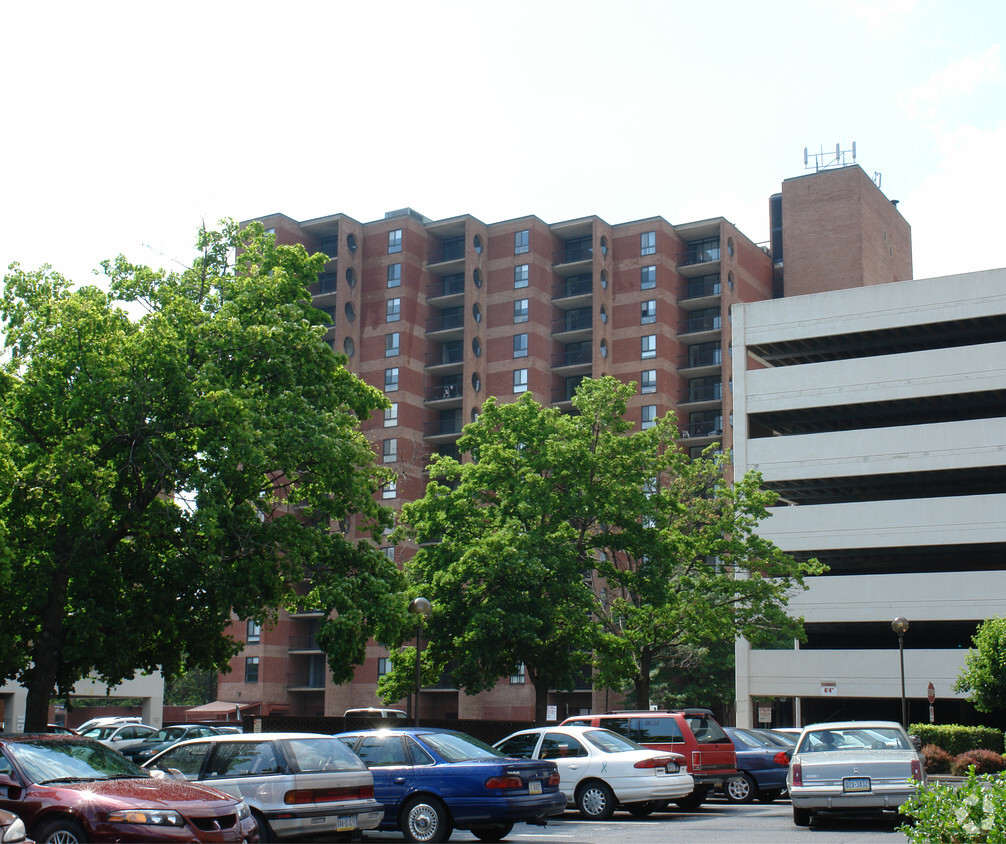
{"x": 572, "y": 759}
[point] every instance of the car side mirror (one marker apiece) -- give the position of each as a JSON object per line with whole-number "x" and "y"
{"x": 13, "y": 787}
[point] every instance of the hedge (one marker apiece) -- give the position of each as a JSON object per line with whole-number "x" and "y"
{"x": 957, "y": 739}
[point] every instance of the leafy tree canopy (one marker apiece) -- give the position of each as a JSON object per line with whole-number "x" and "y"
{"x": 983, "y": 675}
{"x": 161, "y": 473}
{"x": 568, "y": 538}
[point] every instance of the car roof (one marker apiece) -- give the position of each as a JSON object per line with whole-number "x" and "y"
{"x": 577, "y": 729}
{"x": 410, "y": 731}
{"x": 853, "y": 725}
{"x": 278, "y": 736}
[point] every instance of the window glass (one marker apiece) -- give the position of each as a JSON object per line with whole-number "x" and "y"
{"x": 648, "y": 381}
{"x": 390, "y": 490}
{"x": 391, "y": 379}
{"x": 705, "y": 729}
{"x": 521, "y": 242}
{"x": 610, "y": 742}
{"x": 647, "y": 277}
{"x": 391, "y": 415}
{"x": 251, "y": 669}
{"x": 656, "y": 731}
{"x": 391, "y": 344}
{"x": 521, "y": 274}
{"x": 648, "y": 346}
{"x": 394, "y": 275}
{"x": 520, "y": 380}
{"x": 617, "y": 725}
{"x": 390, "y": 450}
{"x": 254, "y": 632}
{"x": 647, "y": 243}
{"x": 394, "y": 310}
{"x": 382, "y": 751}
{"x": 648, "y": 312}
{"x": 521, "y": 746}
{"x": 520, "y": 345}
{"x": 188, "y": 759}
{"x": 243, "y": 758}
{"x": 561, "y": 746}
{"x": 321, "y": 755}
{"x": 520, "y": 310}
{"x": 417, "y": 755}
{"x": 460, "y": 748}
{"x": 395, "y": 241}
{"x": 649, "y": 415}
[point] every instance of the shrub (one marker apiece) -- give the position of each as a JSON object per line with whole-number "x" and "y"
{"x": 975, "y": 811}
{"x": 983, "y": 761}
{"x": 957, "y": 738}
{"x": 938, "y": 761}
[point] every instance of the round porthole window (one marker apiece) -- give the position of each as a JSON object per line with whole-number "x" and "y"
{"x": 350, "y": 311}
{"x": 477, "y": 277}
{"x": 477, "y": 242}
{"x": 348, "y": 347}
{"x": 604, "y": 314}
{"x": 351, "y": 242}
{"x": 476, "y": 384}
{"x": 476, "y": 347}
{"x": 604, "y": 280}
{"x": 604, "y": 348}
{"x": 351, "y": 277}
{"x": 476, "y": 312}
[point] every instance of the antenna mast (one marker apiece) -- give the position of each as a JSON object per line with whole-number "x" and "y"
{"x": 826, "y": 160}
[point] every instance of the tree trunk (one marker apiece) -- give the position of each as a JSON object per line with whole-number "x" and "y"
{"x": 642, "y": 681}
{"x": 540, "y": 702}
{"x": 40, "y": 678}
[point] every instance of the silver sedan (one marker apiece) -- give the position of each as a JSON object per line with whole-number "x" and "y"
{"x": 852, "y": 766}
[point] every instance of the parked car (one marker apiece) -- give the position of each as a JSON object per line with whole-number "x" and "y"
{"x": 784, "y": 740}
{"x": 294, "y": 783}
{"x": 109, "y": 720}
{"x": 762, "y": 764}
{"x": 119, "y": 736}
{"x": 852, "y": 766}
{"x": 59, "y": 729}
{"x": 694, "y": 733}
{"x": 373, "y": 717}
{"x": 12, "y": 829}
{"x": 149, "y": 747}
{"x": 600, "y": 771}
{"x": 70, "y": 789}
{"x": 431, "y": 781}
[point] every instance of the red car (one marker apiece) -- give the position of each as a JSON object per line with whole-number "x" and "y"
{"x": 69, "y": 789}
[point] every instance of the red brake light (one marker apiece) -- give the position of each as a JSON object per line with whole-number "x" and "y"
{"x": 656, "y": 762}
{"x": 781, "y": 758}
{"x": 504, "y": 782}
{"x": 554, "y": 779}
{"x": 796, "y": 769}
{"x": 328, "y": 795}
{"x": 916, "y": 770}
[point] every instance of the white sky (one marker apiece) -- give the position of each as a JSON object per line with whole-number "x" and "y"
{"x": 126, "y": 124}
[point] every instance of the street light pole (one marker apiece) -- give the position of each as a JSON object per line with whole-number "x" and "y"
{"x": 900, "y": 626}
{"x": 421, "y": 607}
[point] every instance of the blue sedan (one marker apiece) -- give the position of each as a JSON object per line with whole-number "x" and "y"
{"x": 431, "y": 781}
{"x": 762, "y": 764}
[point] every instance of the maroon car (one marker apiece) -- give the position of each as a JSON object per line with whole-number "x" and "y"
{"x": 69, "y": 789}
{"x": 12, "y": 829}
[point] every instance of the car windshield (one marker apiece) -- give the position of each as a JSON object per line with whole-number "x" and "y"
{"x": 609, "y": 742}
{"x": 69, "y": 760}
{"x": 457, "y": 747}
{"x": 706, "y": 729}
{"x": 857, "y": 738}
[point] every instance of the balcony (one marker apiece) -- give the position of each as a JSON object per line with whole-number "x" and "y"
{"x": 572, "y": 360}
{"x": 443, "y": 395}
{"x": 700, "y": 257}
{"x": 564, "y": 394}
{"x": 574, "y": 292}
{"x": 448, "y": 358}
{"x": 306, "y": 681}
{"x": 699, "y": 430}
{"x": 574, "y": 322}
{"x": 303, "y": 644}
{"x": 700, "y": 292}
{"x": 698, "y": 394}
{"x": 443, "y": 429}
{"x": 448, "y": 257}
{"x": 701, "y": 323}
{"x": 448, "y": 325}
{"x": 704, "y": 359}
{"x": 450, "y": 289}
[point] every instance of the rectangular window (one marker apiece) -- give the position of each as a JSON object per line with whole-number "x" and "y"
{"x": 520, "y": 380}
{"x": 521, "y": 275}
{"x": 391, "y": 379}
{"x": 518, "y": 677}
{"x": 390, "y": 450}
{"x": 389, "y": 553}
{"x": 390, "y": 413}
{"x": 383, "y": 666}
{"x": 394, "y": 241}
{"x": 394, "y": 275}
{"x": 520, "y": 345}
{"x": 390, "y": 490}
{"x": 520, "y": 310}
{"x": 649, "y": 312}
{"x": 647, "y": 277}
{"x": 649, "y": 346}
{"x": 394, "y": 310}
{"x": 391, "y": 344}
{"x": 648, "y": 381}
{"x": 648, "y": 243}
{"x": 254, "y": 632}
{"x": 649, "y": 416}
{"x": 521, "y": 242}
{"x": 251, "y": 669}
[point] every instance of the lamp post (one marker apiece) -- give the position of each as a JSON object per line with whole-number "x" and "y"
{"x": 421, "y": 607}
{"x": 900, "y": 626}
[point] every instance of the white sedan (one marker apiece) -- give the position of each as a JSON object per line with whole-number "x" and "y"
{"x": 852, "y": 766}
{"x": 600, "y": 770}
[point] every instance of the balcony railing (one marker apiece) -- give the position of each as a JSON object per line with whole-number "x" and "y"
{"x": 448, "y": 252}
{"x": 303, "y": 643}
{"x": 446, "y": 355}
{"x": 572, "y": 357}
{"x": 573, "y": 252}
{"x": 577, "y": 285}
{"x": 573, "y": 321}
{"x": 306, "y": 680}
{"x": 443, "y": 391}
{"x": 702, "y": 429}
{"x": 700, "y": 251}
{"x": 706, "y": 392}
{"x": 445, "y": 322}
{"x": 699, "y": 288}
{"x": 449, "y": 285}
{"x": 699, "y": 323}
{"x": 443, "y": 427}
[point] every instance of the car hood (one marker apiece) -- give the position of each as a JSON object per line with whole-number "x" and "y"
{"x": 140, "y": 792}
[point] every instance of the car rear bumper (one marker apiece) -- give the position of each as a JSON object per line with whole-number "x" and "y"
{"x": 526, "y": 807}
{"x": 652, "y": 788}
{"x": 836, "y": 800}
{"x": 319, "y": 820}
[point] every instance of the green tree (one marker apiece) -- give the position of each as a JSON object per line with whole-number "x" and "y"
{"x": 983, "y": 675}
{"x": 499, "y": 560}
{"x": 164, "y": 472}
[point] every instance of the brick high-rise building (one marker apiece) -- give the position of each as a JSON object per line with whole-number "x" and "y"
{"x": 442, "y": 314}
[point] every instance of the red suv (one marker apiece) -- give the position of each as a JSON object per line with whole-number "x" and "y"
{"x": 694, "y": 733}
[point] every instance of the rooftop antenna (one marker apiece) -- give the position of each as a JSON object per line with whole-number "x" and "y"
{"x": 826, "y": 161}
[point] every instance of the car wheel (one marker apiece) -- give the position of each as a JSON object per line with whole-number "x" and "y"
{"x": 425, "y": 819}
{"x": 60, "y": 831}
{"x": 641, "y": 810}
{"x": 265, "y": 833}
{"x": 595, "y": 801}
{"x": 770, "y": 795}
{"x": 801, "y": 817}
{"x": 691, "y": 802}
{"x": 492, "y": 832}
{"x": 740, "y": 789}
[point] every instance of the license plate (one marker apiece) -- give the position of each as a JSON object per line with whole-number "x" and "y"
{"x": 856, "y": 784}
{"x": 345, "y": 822}
{"x": 534, "y": 787}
